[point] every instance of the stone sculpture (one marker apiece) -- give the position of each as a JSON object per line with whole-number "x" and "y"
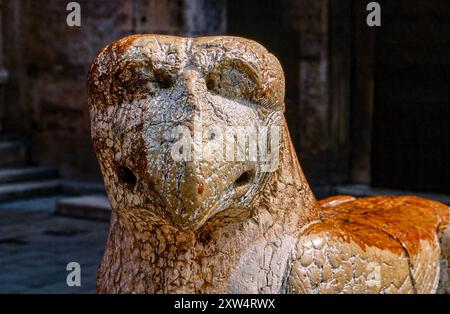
{"x": 183, "y": 224}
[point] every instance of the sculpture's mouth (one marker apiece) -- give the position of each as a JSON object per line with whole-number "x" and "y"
{"x": 241, "y": 184}
{"x": 236, "y": 194}
{"x": 232, "y": 200}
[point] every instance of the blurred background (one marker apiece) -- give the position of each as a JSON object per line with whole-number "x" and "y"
{"x": 368, "y": 109}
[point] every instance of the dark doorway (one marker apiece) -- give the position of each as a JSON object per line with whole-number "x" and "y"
{"x": 411, "y": 127}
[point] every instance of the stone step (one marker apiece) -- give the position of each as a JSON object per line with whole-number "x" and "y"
{"x": 12, "y": 154}
{"x": 78, "y": 187}
{"x": 10, "y": 175}
{"x": 12, "y": 191}
{"x": 94, "y": 206}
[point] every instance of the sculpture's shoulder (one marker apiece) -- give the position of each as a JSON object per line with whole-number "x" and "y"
{"x": 373, "y": 244}
{"x": 406, "y": 218}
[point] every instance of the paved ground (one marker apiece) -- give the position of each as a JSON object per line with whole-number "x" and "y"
{"x": 36, "y": 245}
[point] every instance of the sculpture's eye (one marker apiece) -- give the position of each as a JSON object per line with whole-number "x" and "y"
{"x": 138, "y": 80}
{"x": 233, "y": 80}
{"x": 162, "y": 79}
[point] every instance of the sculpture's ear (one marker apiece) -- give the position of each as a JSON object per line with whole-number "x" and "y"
{"x": 100, "y": 87}
{"x": 113, "y": 69}
{"x": 252, "y": 58}
{"x": 99, "y": 78}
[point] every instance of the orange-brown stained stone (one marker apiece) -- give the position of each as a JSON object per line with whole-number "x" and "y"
{"x": 386, "y": 222}
{"x": 201, "y": 188}
{"x": 123, "y": 44}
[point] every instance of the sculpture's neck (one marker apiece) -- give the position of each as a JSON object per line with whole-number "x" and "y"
{"x": 224, "y": 255}
{"x": 289, "y": 189}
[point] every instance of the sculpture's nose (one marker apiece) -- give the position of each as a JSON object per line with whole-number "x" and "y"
{"x": 193, "y": 84}
{"x": 192, "y": 185}
{"x": 194, "y": 192}
{"x": 185, "y": 182}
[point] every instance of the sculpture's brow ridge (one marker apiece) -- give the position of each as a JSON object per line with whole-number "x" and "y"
{"x": 172, "y": 54}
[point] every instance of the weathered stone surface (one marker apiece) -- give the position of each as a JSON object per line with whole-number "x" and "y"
{"x": 208, "y": 225}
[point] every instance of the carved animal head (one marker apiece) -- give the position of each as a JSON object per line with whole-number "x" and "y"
{"x": 185, "y": 129}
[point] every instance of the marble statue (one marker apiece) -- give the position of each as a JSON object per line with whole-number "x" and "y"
{"x": 207, "y": 192}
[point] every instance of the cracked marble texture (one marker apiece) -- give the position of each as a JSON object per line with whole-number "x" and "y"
{"x": 211, "y": 225}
